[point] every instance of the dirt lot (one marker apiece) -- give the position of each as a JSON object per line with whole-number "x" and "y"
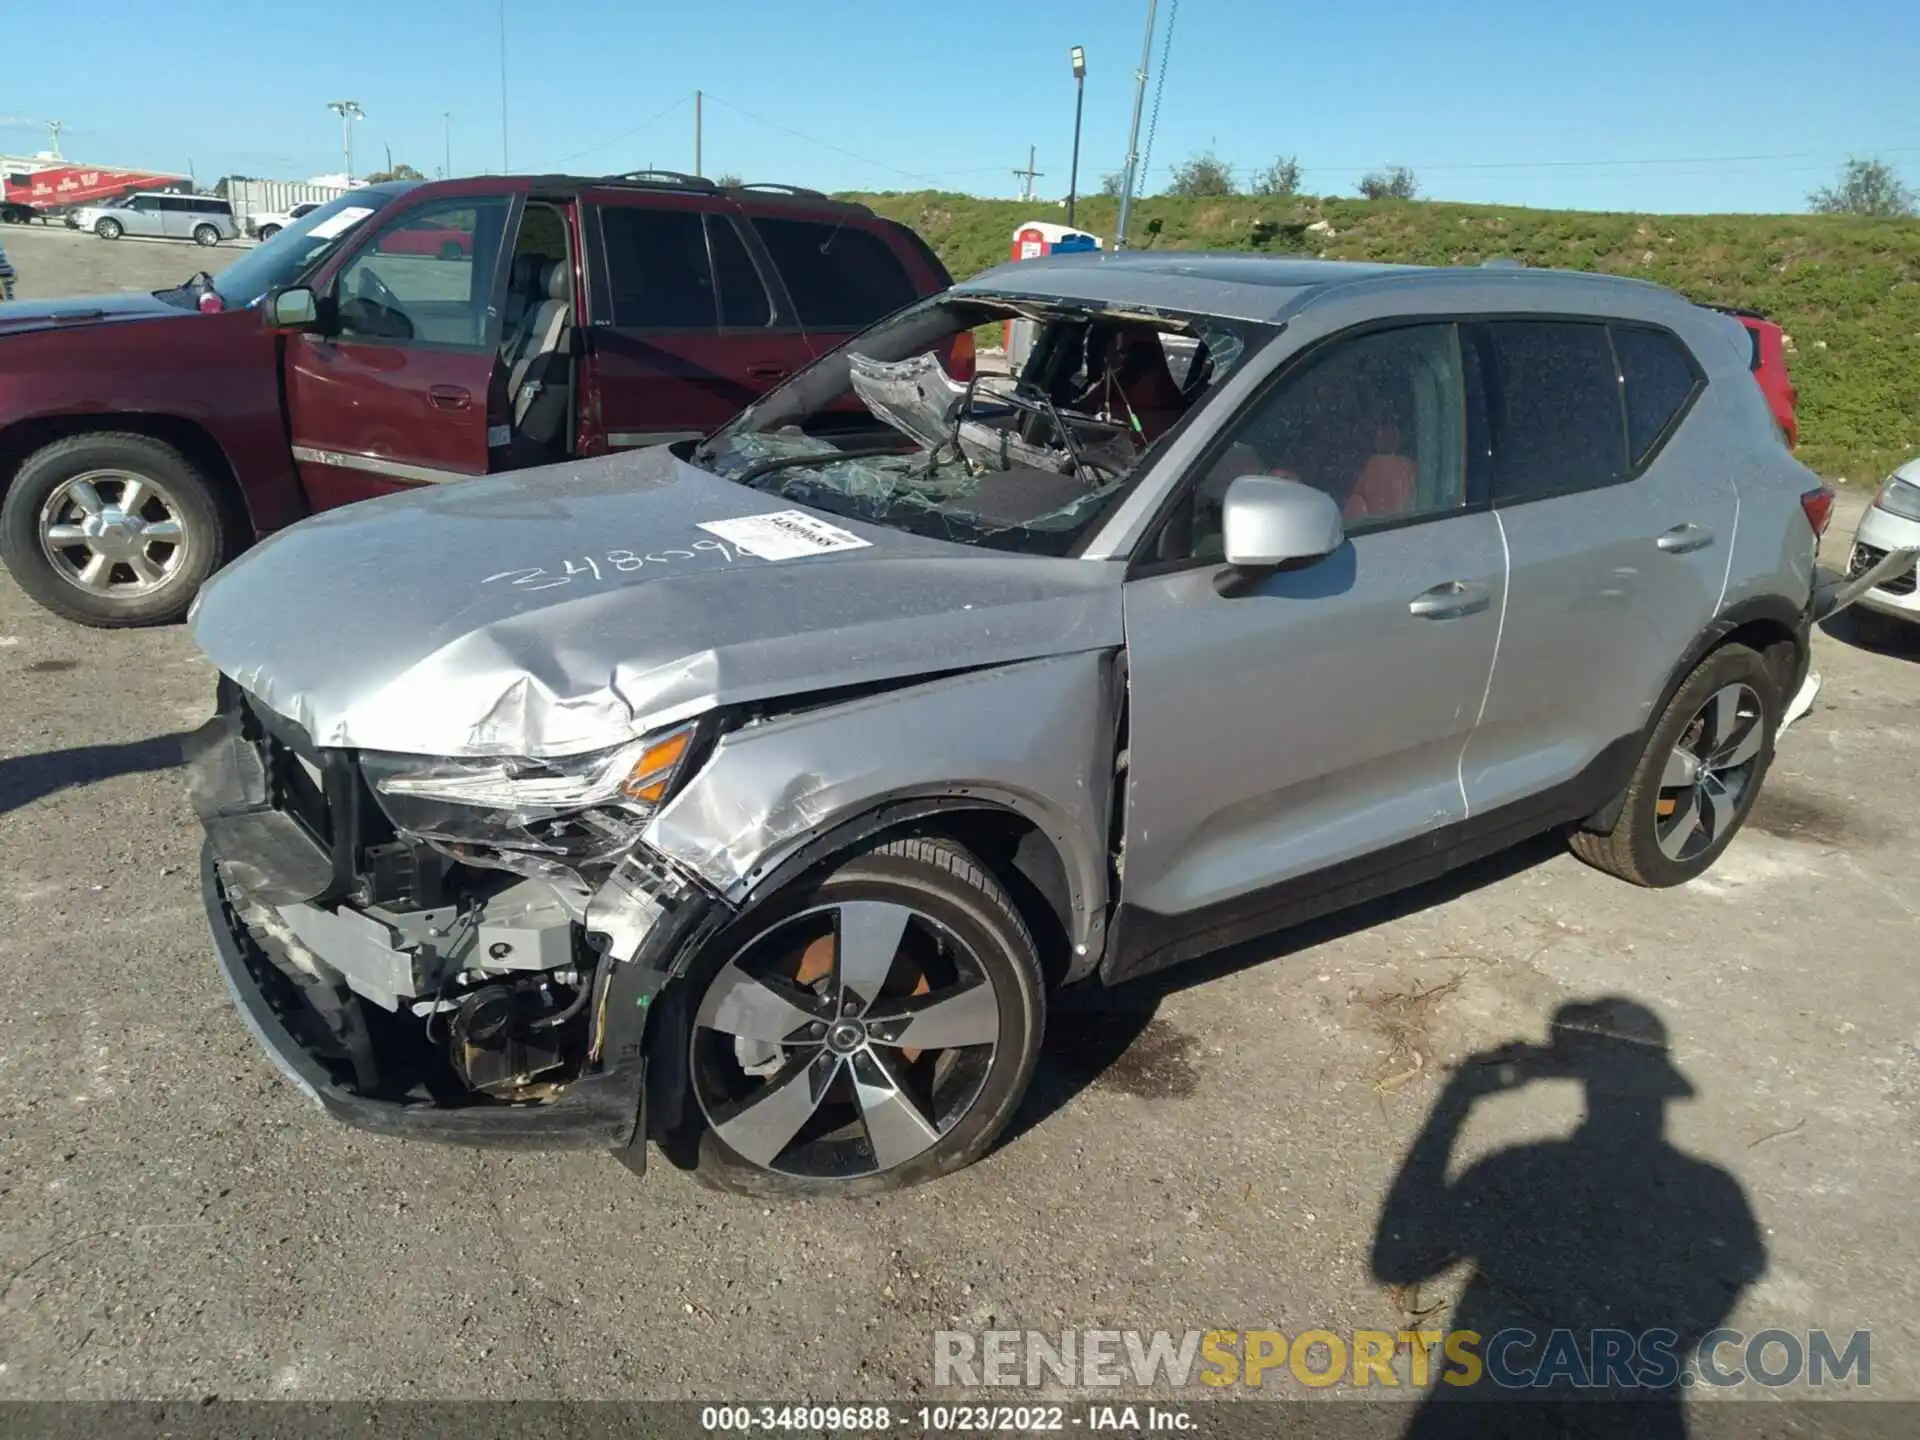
{"x": 1214, "y": 1151}
{"x": 53, "y": 261}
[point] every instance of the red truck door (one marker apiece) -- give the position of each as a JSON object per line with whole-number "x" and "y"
{"x": 400, "y": 386}
{"x": 683, "y": 330}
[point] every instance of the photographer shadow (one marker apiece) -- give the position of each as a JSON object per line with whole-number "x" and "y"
{"x": 1610, "y": 1229}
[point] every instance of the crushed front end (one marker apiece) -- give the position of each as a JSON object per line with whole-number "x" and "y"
{"x": 466, "y": 950}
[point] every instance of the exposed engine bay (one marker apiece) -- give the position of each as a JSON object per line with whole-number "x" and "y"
{"x": 1020, "y": 462}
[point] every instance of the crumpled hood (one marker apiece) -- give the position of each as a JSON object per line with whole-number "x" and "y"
{"x": 85, "y": 310}
{"x": 554, "y": 611}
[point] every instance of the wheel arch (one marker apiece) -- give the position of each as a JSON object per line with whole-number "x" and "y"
{"x": 1769, "y": 625}
{"x": 24, "y": 438}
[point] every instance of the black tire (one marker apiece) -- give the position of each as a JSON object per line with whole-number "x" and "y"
{"x": 107, "y": 229}
{"x": 945, "y": 883}
{"x": 267, "y": 232}
{"x": 452, "y": 251}
{"x": 192, "y": 499}
{"x": 1633, "y": 852}
{"x": 207, "y": 235}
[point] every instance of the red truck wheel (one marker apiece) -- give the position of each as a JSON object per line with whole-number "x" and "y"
{"x": 111, "y": 529}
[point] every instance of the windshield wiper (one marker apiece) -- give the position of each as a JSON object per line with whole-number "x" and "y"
{"x": 795, "y": 462}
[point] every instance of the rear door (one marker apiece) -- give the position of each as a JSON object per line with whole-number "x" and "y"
{"x": 1618, "y": 521}
{"x": 683, "y": 330}
{"x": 176, "y": 215}
{"x": 398, "y": 389}
{"x": 840, "y": 277}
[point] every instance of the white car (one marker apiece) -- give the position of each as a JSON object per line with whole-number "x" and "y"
{"x": 1891, "y": 523}
{"x": 265, "y": 226}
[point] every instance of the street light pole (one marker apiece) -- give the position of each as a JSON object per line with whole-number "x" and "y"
{"x": 446, "y": 118}
{"x": 1133, "y": 135}
{"x": 348, "y": 111}
{"x": 1079, "y": 57}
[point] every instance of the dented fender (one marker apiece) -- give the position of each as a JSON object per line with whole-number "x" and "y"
{"x": 1036, "y": 738}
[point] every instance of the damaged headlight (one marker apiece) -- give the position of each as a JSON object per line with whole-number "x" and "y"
{"x": 476, "y": 798}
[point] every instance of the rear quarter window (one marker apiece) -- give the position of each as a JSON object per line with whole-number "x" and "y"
{"x": 1660, "y": 380}
{"x": 840, "y": 276}
{"x": 1554, "y": 401}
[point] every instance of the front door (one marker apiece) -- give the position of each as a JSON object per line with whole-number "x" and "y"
{"x": 1618, "y": 518}
{"x": 1303, "y": 719}
{"x": 399, "y": 385}
{"x": 683, "y": 331}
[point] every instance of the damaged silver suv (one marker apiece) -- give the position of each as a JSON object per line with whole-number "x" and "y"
{"x": 753, "y": 795}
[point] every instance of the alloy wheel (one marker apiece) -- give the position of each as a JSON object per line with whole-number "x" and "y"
{"x": 1706, "y": 783}
{"x": 113, "y": 533}
{"x": 844, "y": 1040}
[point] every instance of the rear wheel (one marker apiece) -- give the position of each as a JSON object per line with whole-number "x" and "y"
{"x": 1698, "y": 777}
{"x": 206, "y": 235}
{"x": 865, "y": 1032}
{"x": 107, "y": 229}
{"x": 111, "y": 529}
{"x": 451, "y": 251}
{"x": 267, "y": 232}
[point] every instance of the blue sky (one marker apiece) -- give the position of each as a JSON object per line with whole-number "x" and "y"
{"x": 1498, "y": 100}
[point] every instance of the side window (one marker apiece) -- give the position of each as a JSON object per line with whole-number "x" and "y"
{"x": 1660, "y": 379}
{"x": 1377, "y": 421}
{"x": 743, "y": 298}
{"x": 170, "y": 202}
{"x": 1553, "y": 394}
{"x": 840, "y": 276}
{"x": 427, "y": 277}
{"x": 658, "y": 276}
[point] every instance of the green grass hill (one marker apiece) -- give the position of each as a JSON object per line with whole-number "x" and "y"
{"x": 1846, "y": 290}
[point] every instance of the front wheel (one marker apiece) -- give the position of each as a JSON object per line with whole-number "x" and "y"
{"x": 864, "y": 1032}
{"x": 267, "y": 232}
{"x": 1698, "y": 777}
{"x": 452, "y": 250}
{"x": 111, "y": 529}
{"x": 107, "y": 229}
{"x": 206, "y": 235}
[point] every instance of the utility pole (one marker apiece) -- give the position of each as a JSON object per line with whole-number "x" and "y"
{"x": 1079, "y": 57}
{"x": 446, "y": 170}
{"x": 696, "y": 134}
{"x": 1028, "y": 176}
{"x": 348, "y": 111}
{"x": 389, "y": 159}
{"x": 1133, "y": 135}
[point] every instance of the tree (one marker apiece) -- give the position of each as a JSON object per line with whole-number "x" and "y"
{"x": 1282, "y": 177}
{"x": 1202, "y": 173}
{"x": 1865, "y": 187}
{"x": 1111, "y": 183}
{"x": 401, "y": 171}
{"x": 728, "y": 180}
{"x": 1396, "y": 182}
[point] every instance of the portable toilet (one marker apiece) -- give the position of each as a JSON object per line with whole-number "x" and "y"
{"x": 1036, "y": 238}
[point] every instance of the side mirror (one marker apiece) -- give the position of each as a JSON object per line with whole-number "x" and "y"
{"x": 294, "y": 309}
{"x": 1268, "y": 522}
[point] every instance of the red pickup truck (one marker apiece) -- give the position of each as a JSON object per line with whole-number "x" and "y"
{"x": 408, "y": 334}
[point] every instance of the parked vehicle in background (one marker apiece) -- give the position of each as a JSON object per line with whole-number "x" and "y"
{"x": 1891, "y": 523}
{"x": 160, "y": 214}
{"x": 7, "y": 276}
{"x": 412, "y": 334}
{"x": 1769, "y": 365}
{"x": 44, "y": 189}
{"x": 266, "y": 226}
{"x": 752, "y": 796}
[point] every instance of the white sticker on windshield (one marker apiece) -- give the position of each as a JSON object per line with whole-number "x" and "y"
{"x": 340, "y": 222}
{"x": 784, "y": 535}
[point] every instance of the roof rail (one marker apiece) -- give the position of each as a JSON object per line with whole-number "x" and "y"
{"x": 776, "y": 189}
{"x": 673, "y": 179}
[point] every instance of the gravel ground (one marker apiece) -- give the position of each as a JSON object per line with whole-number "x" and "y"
{"x": 53, "y": 261}
{"x": 1213, "y": 1150}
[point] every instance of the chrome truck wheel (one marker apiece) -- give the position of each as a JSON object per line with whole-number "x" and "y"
{"x": 872, "y": 1031}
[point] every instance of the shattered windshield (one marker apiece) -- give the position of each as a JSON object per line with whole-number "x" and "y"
{"x": 904, "y": 427}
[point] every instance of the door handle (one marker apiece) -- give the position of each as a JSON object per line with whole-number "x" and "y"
{"x": 767, "y": 372}
{"x": 1683, "y": 538}
{"x": 1451, "y": 601}
{"x": 449, "y": 397}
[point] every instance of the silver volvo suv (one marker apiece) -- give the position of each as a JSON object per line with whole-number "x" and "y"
{"x": 753, "y": 795}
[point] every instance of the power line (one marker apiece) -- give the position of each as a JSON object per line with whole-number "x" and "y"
{"x": 628, "y": 134}
{"x": 815, "y": 140}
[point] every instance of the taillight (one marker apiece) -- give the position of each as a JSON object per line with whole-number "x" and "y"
{"x": 1819, "y": 507}
{"x": 961, "y": 366}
